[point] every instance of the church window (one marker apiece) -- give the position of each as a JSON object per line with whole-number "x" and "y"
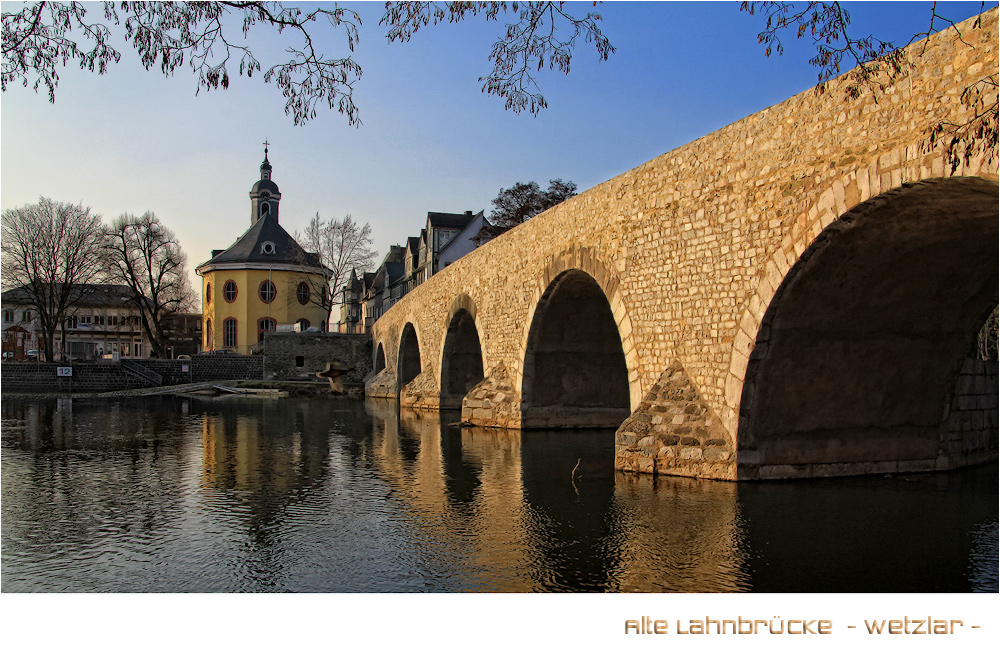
{"x": 302, "y": 292}
{"x": 229, "y": 332}
{"x": 303, "y": 324}
{"x": 208, "y": 294}
{"x": 209, "y": 343}
{"x": 267, "y": 291}
{"x": 229, "y": 291}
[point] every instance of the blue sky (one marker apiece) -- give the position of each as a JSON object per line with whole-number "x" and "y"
{"x": 132, "y": 141}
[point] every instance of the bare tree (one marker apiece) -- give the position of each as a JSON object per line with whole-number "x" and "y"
{"x": 143, "y": 254}
{"x": 48, "y": 252}
{"x": 343, "y": 246}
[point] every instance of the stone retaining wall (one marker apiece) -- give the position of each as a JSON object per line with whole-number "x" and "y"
{"x": 102, "y": 376}
{"x": 28, "y": 377}
{"x": 299, "y": 356}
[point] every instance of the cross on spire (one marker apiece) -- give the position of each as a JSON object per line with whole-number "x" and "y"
{"x": 265, "y": 166}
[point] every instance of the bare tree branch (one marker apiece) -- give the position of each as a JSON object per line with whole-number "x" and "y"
{"x": 343, "y": 246}
{"x": 532, "y": 41}
{"x": 36, "y": 42}
{"x": 875, "y": 65}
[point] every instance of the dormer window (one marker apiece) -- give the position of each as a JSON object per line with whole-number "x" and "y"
{"x": 267, "y": 248}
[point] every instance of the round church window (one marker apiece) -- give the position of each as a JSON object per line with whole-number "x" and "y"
{"x": 267, "y": 291}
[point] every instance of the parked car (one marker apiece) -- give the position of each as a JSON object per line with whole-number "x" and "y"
{"x": 183, "y": 357}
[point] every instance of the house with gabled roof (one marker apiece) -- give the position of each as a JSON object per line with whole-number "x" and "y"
{"x": 445, "y": 238}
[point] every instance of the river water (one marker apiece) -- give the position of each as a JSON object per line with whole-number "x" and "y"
{"x": 232, "y": 494}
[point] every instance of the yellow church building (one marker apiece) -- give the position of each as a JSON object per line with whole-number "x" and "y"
{"x": 263, "y": 281}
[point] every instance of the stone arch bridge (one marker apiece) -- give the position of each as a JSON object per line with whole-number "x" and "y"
{"x": 796, "y": 294}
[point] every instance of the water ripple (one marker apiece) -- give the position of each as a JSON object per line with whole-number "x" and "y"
{"x": 341, "y": 495}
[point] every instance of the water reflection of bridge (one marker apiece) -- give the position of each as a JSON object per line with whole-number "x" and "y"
{"x": 504, "y": 506}
{"x": 339, "y": 494}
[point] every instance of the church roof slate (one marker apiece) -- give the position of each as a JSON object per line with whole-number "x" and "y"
{"x": 251, "y": 247}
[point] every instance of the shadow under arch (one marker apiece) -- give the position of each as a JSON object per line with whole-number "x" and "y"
{"x": 575, "y": 374}
{"x": 408, "y": 358}
{"x": 854, "y": 366}
{"x": 379, "y": 364}
{"x": 461, "y": 353}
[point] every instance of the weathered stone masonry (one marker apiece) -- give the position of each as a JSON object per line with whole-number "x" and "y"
{"x": 691, "y": 249}
{"x": 299, "y": 356}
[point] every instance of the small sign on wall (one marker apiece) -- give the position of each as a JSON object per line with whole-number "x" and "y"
{"x": 64, "y": 371}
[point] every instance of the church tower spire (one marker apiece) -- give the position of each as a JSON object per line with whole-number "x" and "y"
{"x": 265, "y": 166}
{"x": 264, "y": 196}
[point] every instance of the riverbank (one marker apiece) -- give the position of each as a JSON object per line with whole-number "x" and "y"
{"x": 293, "y": 387}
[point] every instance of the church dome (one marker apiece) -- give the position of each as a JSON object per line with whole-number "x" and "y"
{"x": 265, "y": 185}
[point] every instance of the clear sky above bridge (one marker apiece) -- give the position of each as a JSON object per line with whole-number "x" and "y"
{"x": 132, "y": 141}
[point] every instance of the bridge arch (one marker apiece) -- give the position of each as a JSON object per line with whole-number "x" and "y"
{"x": 864, "y": 326}
{"x": 586, "y": 260}
{"x": 408, "y": 362}
{"x": 574, "y": 370}
{"x": 461, "y": 352}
